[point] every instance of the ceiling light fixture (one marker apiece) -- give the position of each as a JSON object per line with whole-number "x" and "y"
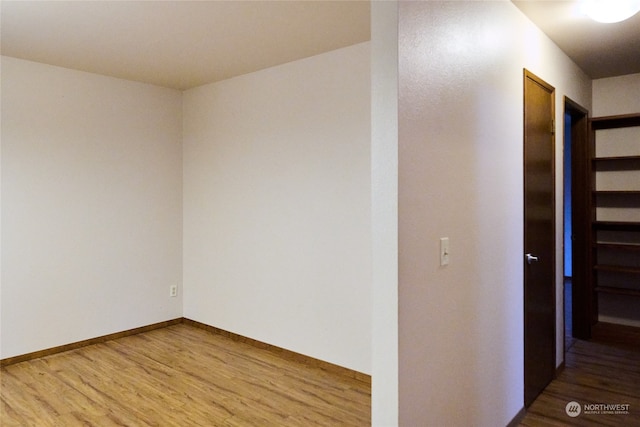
{"x": 609, "y": 11}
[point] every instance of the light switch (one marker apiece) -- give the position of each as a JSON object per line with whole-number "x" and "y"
{"x": 444, "y": 251}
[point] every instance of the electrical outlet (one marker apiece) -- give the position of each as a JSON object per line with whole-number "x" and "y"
{"x": 173, "y": 290}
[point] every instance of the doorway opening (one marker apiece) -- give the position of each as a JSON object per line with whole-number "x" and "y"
{"x": 578, "y": 297}
{"x": 568, "y": 232}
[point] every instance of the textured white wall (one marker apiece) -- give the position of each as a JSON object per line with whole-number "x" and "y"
{"x": 460, "y": 175}
{"x": 1, "y": 207}
{"x": 384, "y": 211}
{"x": 277, "y": 213}
{"x": 92, "y": 210}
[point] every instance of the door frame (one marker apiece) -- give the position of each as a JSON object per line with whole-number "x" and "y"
{"x": 582, "y": 295}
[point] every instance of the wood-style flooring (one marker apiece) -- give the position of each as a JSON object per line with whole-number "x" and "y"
{"x": 604, "y": 370}
{"x": 177, "y": 376}
{"x": 185, "y": 376}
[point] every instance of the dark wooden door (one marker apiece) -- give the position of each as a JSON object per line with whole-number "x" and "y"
{"x": 539, "y": 237}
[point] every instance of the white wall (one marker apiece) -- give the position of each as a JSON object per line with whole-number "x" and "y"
{"x": 616, "y": 95}
{"x": 1, "y": 207}
{"x": 277, "y": 216}
{"x": 384, "y": 211}
{"x": 613, "y": 96}
{"x": 92, "y": 210}
{"x": 460, "y": 176}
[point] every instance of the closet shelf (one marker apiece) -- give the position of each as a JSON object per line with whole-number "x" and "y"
{"x": 617, "y": 225}
{"x": 615, "y": 245}
{"x": 617, "y": 192}
{"x": 621, "y": 121}
{"x": 618, "y": 291}
{"x": 617, "y": 268}
{"x": 616, "y": 163}
{"x": 616, "y": 159}
{"x": 619, "y": 246}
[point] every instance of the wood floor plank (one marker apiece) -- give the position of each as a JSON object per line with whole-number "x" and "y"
{"x": 177, "y": 376}
{"x": 600, "y": 371}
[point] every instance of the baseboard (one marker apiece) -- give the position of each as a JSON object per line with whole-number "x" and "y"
{"x": 284, "y": 353}
{"x": 518, "y": 418}
{"x": 84, "y": 343}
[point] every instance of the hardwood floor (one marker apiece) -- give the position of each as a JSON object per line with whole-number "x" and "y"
{"x": 185, "y": 376}
{"x": 604, "y": 370}
{"x": 177, "y": 376}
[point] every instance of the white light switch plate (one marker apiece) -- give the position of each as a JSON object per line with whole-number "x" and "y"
{"x": 444, "y": 251}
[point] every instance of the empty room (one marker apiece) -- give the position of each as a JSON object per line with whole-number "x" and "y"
{"x": 299, "y": 213}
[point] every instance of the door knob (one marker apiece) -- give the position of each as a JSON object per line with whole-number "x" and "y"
{"x": 531, "y": 258}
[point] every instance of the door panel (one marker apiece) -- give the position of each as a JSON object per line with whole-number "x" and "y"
{"x": 539, "y": 237}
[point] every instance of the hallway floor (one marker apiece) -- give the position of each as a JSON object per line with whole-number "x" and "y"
{"x": 604, "y": 370}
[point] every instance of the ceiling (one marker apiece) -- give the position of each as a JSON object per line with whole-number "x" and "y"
{"x": 178, "y": 44}
{"x": 182, "y": 44}
{"x": 601, "y": 50}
